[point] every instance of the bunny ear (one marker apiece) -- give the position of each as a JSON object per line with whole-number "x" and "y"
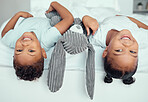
{"x": 90, "y": 71}
{"x": 56, "y": 67}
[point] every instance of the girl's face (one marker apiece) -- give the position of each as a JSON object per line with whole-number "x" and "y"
{"x": 123, "y": 50}
{"x": 28, "y": 49}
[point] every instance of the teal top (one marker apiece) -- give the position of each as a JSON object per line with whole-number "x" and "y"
{"x": 46, "y": 34}
{"x": 119, "y": 23}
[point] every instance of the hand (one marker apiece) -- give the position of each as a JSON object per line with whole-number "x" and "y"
{"x": 24, "y": 14}
{"x": 50, "y": 9}
{"x": 90, "y": 23}
{"x": 11, "y": 24}
{"x": 67, "y": 17}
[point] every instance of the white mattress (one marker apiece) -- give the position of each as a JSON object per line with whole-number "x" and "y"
{"x": 73, "y": 89}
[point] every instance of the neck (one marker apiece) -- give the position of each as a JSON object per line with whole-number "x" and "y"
{"x": 110, "y": 35}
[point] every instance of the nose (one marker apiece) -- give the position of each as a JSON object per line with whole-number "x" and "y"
{"x": 127, "y": 43}
{"x": 26, "y": 43}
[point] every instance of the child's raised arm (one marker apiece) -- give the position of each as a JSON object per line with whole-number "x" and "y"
{"x": 139, "y": 24}
{"x": 67, "y": 17}
{"x": 10, "y": 25}
{"x": 90, "y": 23}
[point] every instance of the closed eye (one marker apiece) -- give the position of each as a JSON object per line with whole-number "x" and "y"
{"x": 119, "y": 50}
{"x": 31, "y": 50}
{"x": 133, "y": 52}
{"x": 19, "y": 50}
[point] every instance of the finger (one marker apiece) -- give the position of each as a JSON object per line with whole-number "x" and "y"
{"x": 96, "y": 28}
{"x": 88, "y": 32}
{"x": 94, "y": 31}
{"x": 31, "y": 15}
{"x": 47, "y": 11}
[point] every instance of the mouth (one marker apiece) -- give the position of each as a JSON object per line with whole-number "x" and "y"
{"x": 27, "y": 38}
{"x": 126, "y": 37}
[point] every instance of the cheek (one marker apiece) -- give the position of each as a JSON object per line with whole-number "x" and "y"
{"x": 115, "y": 43}
{"x": 112, "y": 45}
{"x": 18, "y": 44}
{"x": 36, "y": 44}
{"x": 137, "y": 46}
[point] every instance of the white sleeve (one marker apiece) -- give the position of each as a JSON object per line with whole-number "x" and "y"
{"x": 9, "y": 39}
{"x": 49, "y": 38}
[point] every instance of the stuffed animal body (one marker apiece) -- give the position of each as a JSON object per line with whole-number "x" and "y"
{"x": 73, "y": 41}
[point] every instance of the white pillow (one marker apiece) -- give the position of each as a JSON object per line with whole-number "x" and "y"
{"x": 102, "y": 3}
{"x": 38, "y": 7}
{"x": 100, "y": 13}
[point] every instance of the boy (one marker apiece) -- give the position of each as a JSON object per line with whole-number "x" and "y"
{"x": 121, "y": 47}
{"x": 31, "y": 38}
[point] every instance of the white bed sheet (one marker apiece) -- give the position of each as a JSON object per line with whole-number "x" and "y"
{"x": 73, "y": 89}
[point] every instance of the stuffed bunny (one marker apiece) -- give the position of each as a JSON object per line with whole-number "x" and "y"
{"x": 73, "y": 41}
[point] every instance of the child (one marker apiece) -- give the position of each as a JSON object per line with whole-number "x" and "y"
{"x": 119, "y": 36}
{"x": 31, "y": 38}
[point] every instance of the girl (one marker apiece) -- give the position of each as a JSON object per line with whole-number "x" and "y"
{"x": 120, "y": 36}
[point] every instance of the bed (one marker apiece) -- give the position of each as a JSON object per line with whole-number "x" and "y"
{"x": 73, "y": 88}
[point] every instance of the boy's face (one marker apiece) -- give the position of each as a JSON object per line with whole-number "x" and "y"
{"x": 123, "y": 50}
{"x": 28, "y": 49}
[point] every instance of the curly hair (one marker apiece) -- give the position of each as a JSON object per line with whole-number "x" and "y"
{"x": 29, "y": 72}
{"x": 111, "y": 72}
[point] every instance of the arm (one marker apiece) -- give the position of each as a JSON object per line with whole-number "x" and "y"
{"x": 139, "y": 24}
{"x": 11, "y": 24}
{"x": 90, "y": 23}
{"x": 67, "y": 18}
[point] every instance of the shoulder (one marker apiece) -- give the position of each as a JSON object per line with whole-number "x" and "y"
{"x": 9, "y": 39}
{"x": 51, "y": 32}
{"x": 50, "y": 37}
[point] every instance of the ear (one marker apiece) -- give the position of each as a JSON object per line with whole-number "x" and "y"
{"x": 105, "y": 52}
{"x": 44, "y": 53}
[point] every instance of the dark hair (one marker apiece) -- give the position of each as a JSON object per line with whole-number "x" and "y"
{"x": 115, "y": 73}
{"x": 29, "y": 72}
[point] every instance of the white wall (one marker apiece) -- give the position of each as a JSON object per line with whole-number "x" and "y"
{"x": 126, "y": 6}
{"x": 9, "y": 7}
